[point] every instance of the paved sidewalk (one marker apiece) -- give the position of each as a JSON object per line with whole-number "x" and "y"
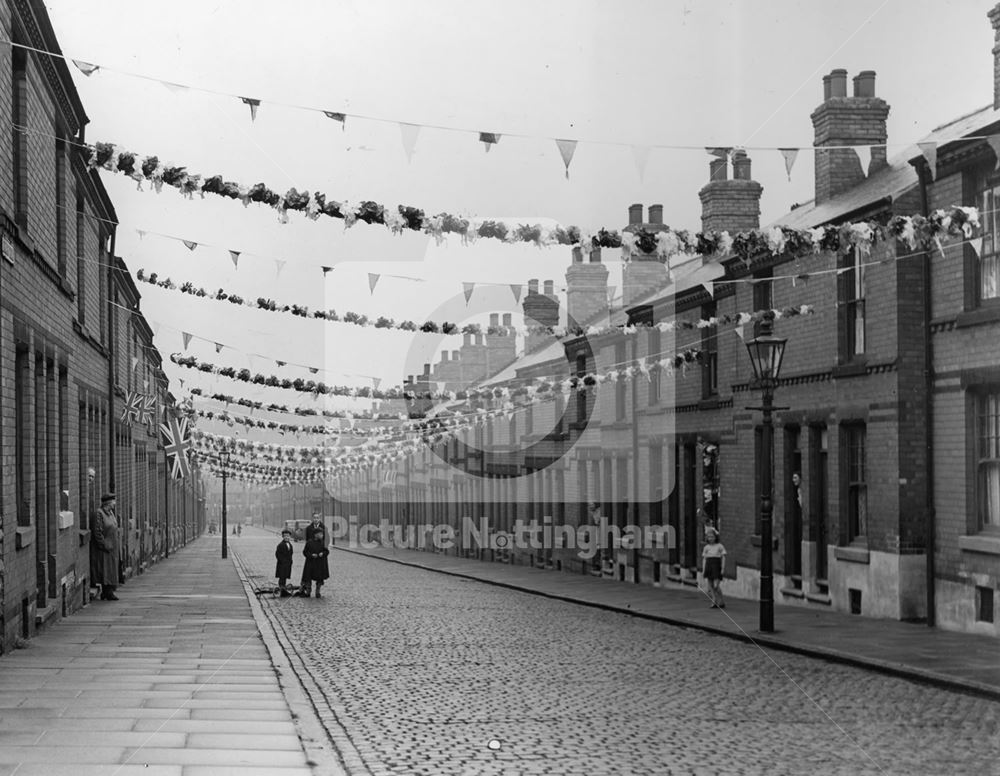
{"x": 953, "y": 660}
{"x": 175, "y": 679}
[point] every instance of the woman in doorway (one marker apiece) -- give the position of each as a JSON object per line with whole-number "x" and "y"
{"x": 713, "y": 560}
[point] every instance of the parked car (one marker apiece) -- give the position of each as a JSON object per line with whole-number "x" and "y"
{"x": 297, "y": 527}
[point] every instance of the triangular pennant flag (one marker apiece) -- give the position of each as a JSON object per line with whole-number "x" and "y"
{"x": 156, "y": 328}
{"x": 409, "y": 133}
{"x": 739, "y": 332}
{"x": 929, "y": 150}
{"x": 135, "y": 362}
{"x": 235, "y": 256}
{"x": 719, "y": 153}
{"x": 641, "y": 155}
{"x": 342, "y": 118}
{"x": 372, "y": 280}
{"x": 864, "y": 153}
{"x": 313, "y": 370}
{"x": 566, "y": 148}
{"x": 994, "y": 141}
{"x": 141, "y": 233}
{"x": 790, "y": 155}
{"x": 515, "y": 289}
{"x": 489, "y": 139}
{"x": 254, "y": 104}
{"x": 190, "y": 244}
{"x": 218, "y": 347}
{"x": 376, "y": 382}
{"x": 175, "y": 88}
{"x": 468, "y": 288}
{"x": 85, "y": 67}
{"x": 326, "y": 269}
{"x": 187, "y": 339}
{"x": 977, "y": 246}
{"x": 279, "y": 265}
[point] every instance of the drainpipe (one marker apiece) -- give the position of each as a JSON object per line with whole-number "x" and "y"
{"x": 931, "y": 522}
{"x": 111, "y": 365}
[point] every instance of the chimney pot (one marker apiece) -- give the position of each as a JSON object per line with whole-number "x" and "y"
{"x": 533, "y": 286}
{"x": 656, "y": 214}
{"x": 838, "y": 83}
{"x": 479, "y": 339}
{"x": 864, "y": 84}
{"x": 826, "y": 88}
{"x": 494, "y": 320}
{"x": 456, "y": 355}
{"x": 717, "y": 170}
{"x": 577, "y": 254}
{"x": 409, "y": 379}
{"x": 427, "y": 370}
{"x": 635, "y": 214}
{"x": 741, "y": 168}
{"x": 595, "y": 255}
{"x": 466, "y": 338}
{"x": 444, "y": 356}
{"x": 549, "y": 286}
{"x": 506, "y": 319}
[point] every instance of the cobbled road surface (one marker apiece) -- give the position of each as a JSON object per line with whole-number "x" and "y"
{"x": 423, "y": 670}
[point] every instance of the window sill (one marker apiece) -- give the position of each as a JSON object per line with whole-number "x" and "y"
{"x": 984, "y": 543}
{"x": 855, "y": 368}
{"x": 852, "y": 554}
{"x": 988, "y": 313}
{"x": 25, "y": 537}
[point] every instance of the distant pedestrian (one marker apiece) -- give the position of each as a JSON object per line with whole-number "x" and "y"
{"x": 317, "y": 568}
{"x": 713, "y": 566}
{"x": 104, "y": 543}
{"x": 239, "y": 529}
{"x": 283, "y": 568}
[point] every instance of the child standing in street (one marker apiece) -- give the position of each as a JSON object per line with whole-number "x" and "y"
{"x": 317, "y": 568}
{"x": 283, "y": 567}
{"x": 713, "y": 565}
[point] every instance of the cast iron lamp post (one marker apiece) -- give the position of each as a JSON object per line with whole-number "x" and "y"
{"x": 766, "y": 353}
{"x": 224, "y": 457}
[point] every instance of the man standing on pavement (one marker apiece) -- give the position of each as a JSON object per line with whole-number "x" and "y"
{"x": 104, "y": 535}
{"x": 311, "y": 529}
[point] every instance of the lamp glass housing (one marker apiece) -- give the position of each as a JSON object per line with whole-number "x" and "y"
{"x": 766, "y": 353}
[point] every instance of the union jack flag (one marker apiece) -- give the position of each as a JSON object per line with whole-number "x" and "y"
{"x": 177, "y": 442}
{"x": 133, "y": 407}
{"x": 148, "y": 411}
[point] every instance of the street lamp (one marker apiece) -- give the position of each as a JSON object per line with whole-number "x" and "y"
{"x": 766, "y": 353}
{"x": 224, "y": 456}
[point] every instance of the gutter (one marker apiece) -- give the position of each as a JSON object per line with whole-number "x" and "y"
{"x": 930, "y": 516}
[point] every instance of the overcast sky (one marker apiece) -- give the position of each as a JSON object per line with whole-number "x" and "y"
{"x": 613, "y": 75}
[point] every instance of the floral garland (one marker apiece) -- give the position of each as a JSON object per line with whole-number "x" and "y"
{"x": 573, "y": 383}
{"x": 431, "y": 327}
{"x": 305, "y": 411}
{"x": 663, "y": 243}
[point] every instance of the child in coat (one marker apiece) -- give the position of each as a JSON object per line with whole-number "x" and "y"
{"x": 317, "y": 568}
{"x": 283, "y": 567}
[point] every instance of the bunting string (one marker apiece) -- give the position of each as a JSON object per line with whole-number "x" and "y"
{"x": 89, "y": 69}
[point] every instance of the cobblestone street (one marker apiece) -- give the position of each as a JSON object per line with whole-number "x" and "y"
{"x": 423, "y": 671}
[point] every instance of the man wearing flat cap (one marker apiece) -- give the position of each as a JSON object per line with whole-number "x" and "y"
{"x": 104, "y": 548}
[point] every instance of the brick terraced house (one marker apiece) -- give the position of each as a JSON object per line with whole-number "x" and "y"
{"x": 886, "y": 462}
{"x": 72, "y": 342}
